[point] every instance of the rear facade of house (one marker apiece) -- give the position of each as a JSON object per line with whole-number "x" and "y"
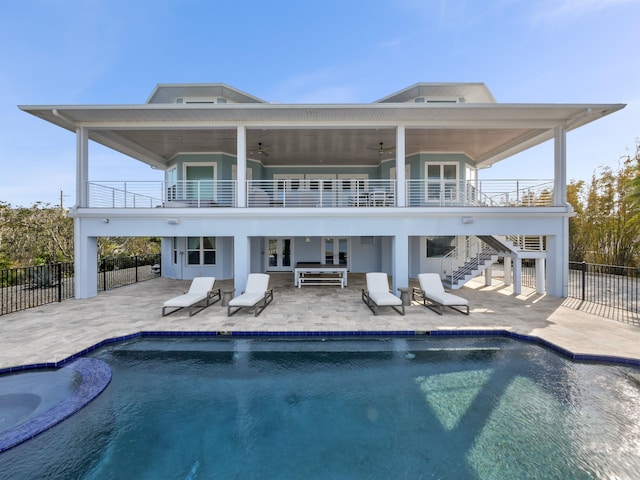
{"x": 240, "y": 185}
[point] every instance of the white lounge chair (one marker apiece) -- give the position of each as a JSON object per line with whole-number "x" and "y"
{"x": 377, "y": 293}
{"x": 201, "y": 290}
{"x": 256, "y": 295}
{"x": 432, "y": 291}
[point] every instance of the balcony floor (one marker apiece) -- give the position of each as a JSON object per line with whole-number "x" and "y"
{"x": 54, "y": 332}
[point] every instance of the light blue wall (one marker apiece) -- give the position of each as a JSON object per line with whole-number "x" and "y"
{"x": 223, "y": 269}
{"x": 225, "y": 162}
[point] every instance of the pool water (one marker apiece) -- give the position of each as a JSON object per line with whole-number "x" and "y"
{"x": 450, "y": 408}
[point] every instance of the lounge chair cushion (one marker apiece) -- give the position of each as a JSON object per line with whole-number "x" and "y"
{"x": 432, "y": 288}
{"x": 384, "y": 299}
{"x": 257, "y": 294}
{"x": 200, "y": 290}
{"x": 432, "y": 291}
{"x": 185, "y": 300}
{"x": 378, "y": 293}
{"x": 247, "y": 299}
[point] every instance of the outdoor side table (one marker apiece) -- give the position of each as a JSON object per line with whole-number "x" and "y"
{"x": 226, "y": 296}
{"x": 404, "y": 295}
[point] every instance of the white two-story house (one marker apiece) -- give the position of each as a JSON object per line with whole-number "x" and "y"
{"x": 392, "y": 186}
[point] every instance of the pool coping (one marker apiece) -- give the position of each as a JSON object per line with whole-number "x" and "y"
{"x": 588, "y": 357}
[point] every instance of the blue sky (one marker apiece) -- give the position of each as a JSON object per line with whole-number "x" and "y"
{"x": 116, "y": 51}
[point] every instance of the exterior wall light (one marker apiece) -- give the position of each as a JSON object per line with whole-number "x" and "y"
{"x": 105, "y": 220}
{"x": 173, "y": 221}
{"x": 467, "y": 220}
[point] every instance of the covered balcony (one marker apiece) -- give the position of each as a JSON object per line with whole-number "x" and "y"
{"x": 336, "y": 193}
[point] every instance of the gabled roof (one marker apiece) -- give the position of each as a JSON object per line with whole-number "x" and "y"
{"x": 169, "y": 93}
{"x": 469, "y": 92}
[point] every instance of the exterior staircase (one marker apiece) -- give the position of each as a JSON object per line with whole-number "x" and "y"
{"x": 483, "y": 254}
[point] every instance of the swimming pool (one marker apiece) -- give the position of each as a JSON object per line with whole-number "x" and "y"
{"x": 419, "y": 407}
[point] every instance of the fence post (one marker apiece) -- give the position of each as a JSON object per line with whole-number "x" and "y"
{"x": 104, "y": 274}
{"x": 583, "y": 266}
{"x": 59, "y": 282}
{"x": 136, "y": 262}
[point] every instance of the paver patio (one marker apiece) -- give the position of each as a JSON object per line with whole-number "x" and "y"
{"x": 54, "y": 332}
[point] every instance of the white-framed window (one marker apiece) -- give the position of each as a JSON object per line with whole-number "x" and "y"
{"x": 442, "y": 181}
{"x": 201, "y": 250}
{"x": 201, "y": 100}
{"x": 335, "y": 250}
{"x": 439, "y": 100}
{"x": 200, "y": 180}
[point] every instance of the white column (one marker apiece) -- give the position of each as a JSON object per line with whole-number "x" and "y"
{"x": 540, "y": 286}
{"x": 241, "y": 166}
{"x": 400, "y": 263}
{"x": 517, "y": 276}
{"x": 241, "y": 263}
{"x": 488, "y": 276}
{"x": 85, "y": 280}
{"x": 82, "y": 166}
{"x": 401, "y": 196}
{"x": 507, "y": 271}
{"x": 557, "y": 282}
{"x": 560, "y": 167}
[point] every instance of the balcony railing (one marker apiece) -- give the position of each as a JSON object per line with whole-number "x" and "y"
{"x": 321, "y": 193}
{"x": 343, "y": 192}
{"x": 481, "y": 193}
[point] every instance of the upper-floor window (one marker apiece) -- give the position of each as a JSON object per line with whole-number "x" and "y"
{"x": 201, "y": 100}
{"x": 438, "y": 100}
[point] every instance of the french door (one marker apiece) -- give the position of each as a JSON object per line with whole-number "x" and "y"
{"x": 335, "y": 250}
{"x": 279, "y": 254}
{"x": 442, "y": 182}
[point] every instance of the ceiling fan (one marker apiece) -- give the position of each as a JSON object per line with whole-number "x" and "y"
{"x": 259, "y": 151}
{"x": 382, "y": 149}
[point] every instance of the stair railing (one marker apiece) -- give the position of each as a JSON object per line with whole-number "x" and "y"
{"x": 528, "y": 242}
{"x": 474, "y": 249}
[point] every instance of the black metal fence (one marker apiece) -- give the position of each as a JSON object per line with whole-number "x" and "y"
{"x": 28, "y": 287}
{"x": 614, "y": 287}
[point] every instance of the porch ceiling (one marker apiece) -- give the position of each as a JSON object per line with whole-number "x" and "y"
{"x": 321, "y": 134}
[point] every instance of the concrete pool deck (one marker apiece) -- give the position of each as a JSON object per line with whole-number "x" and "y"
{"x": 54, "y": 332}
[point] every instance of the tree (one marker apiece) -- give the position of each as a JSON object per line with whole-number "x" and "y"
{"x": 43, "y": 234}
{"x": 34, "y": 236}
{"x": 606, "y": 228}
{"x": 634, "y": 187}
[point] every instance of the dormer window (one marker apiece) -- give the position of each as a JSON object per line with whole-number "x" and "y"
{"x": 201, "y": 100}
{"x": 438, "y": 100}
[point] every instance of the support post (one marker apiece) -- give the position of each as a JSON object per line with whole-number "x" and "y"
{"x": 400, "y": 265}
{"x": 85, "y": 279}
{"x": 507, "y": 271}
{"x": 517, "y": 276}
{"x": 82, "y": 166}
{"x": 241, "y": 167}
{"x": 401, "y": 183}
{"x": 540, "y": 276}
{"x": 241, "y": 266}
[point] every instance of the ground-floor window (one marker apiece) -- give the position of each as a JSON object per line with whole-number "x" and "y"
{"x": 438, "y": 247}
{"x": 201, "y": 250}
